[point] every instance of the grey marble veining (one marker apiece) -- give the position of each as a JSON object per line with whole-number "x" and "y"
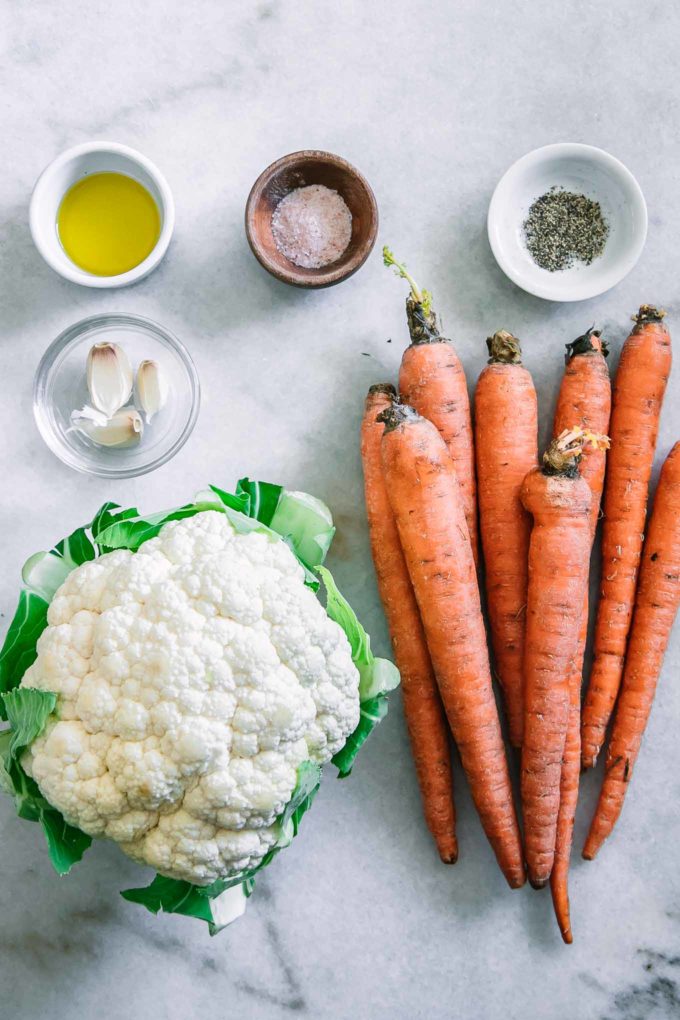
{"x": 358, "y": 919}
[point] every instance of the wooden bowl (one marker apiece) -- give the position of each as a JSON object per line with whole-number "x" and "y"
{"x": 298, "y": 169}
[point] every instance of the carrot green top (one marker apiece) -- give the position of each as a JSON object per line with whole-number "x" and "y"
{"x": 422, "y": 320}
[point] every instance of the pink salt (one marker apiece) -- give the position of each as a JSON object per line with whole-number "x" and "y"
{"x": 312, "y": 226}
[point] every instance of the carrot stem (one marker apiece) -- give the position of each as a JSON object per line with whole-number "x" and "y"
{"x": 422, "y": 321}
{"x": 504, "y": 348}
{"x": 590, "y": 342}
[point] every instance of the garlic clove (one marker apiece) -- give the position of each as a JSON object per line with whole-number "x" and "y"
{"x": 152, "y": 388}
{"x": 109, "y": 377}
{"x": 123, "y": 429}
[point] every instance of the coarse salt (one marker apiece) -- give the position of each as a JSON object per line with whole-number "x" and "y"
{"x": 312, "y": 226}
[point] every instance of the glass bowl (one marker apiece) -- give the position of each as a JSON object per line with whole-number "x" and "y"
{"x": 60, "y": 387}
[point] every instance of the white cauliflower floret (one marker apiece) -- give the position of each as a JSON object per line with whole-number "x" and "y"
{"x": 193, "y": 678}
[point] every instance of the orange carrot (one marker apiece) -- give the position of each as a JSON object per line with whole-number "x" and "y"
{"x": 427, "y": 726}
{"x": 506, "y": 449}
{"x": 585, "y": 400}
{"x": 569, "y": 783}
{"x": 656, "y": 605}
{"x": 559, "y": 551}
{"x": 432, "y": 381}
{"x": 638, "y": 392}
{"x": 428, "y": 509}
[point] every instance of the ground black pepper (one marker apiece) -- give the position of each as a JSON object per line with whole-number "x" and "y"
{"x": 563, "y": 228}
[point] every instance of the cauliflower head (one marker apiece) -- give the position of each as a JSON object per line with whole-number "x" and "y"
{"x": 193, "y": 677}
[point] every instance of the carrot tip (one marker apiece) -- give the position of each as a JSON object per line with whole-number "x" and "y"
{"x": 567, "y": 936}
{"x": 447, "y": 847}
{"x": 449, "y": 858}
{"x": 594, "y": 841}
{"x": 516, "y": 881}
{"x": 538, "y": 883}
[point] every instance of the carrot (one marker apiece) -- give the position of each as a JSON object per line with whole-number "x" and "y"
{"x": 585, "y": 400}
{"x": 506, "y": 449}
{"x": 569, "y": 783}
{"x": 427, "y": 726}
{"x": 559, "y": 501}
{"x": 638, "y": 393}
{"x": 656, "y": 604}
{"x": 428, "y": 509}
{"x": 432, "y": 381}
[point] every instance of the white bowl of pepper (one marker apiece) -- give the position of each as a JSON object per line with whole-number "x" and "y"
{"x": 567, "y": 222}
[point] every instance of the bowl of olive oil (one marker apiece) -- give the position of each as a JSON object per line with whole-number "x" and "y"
{"x": 102, "y": 215}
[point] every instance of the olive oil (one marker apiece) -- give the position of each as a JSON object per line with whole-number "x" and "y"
{"x": 108, "y": 223}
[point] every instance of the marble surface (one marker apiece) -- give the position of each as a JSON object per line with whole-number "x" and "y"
{"x": 433, "y": 102}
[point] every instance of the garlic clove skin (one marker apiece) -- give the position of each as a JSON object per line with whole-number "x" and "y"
{"x": 88, "y": 413}
{"x": 122, "y": 430}
{"x": 109, "y": 377}
{"x": 152, "y": 388}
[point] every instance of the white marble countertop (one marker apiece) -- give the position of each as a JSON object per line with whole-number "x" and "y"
{"x": 358, "y": 919}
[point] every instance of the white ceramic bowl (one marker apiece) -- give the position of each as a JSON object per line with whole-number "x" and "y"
{"x": 580, "y": 168}
{"x": 71, "y": 166}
